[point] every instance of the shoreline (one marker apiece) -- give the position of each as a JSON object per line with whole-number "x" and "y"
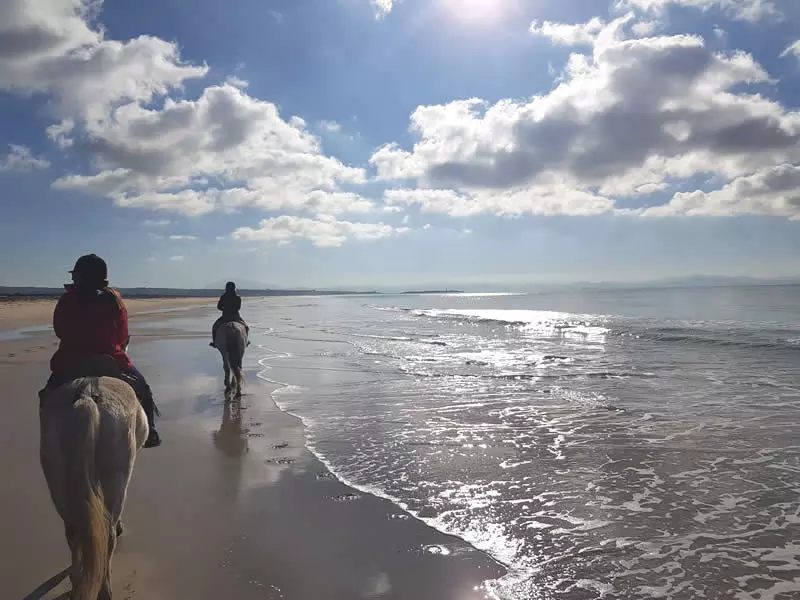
{"x": 253, "y": 514}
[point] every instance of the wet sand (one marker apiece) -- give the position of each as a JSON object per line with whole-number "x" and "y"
{"x": 231, "y": 506}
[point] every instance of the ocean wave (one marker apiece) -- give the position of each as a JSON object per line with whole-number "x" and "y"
{"x": 710, "y": 334}
{"x": 768, "y": 335}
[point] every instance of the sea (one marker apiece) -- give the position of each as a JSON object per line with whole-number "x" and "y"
{"x": 626, "y": 444}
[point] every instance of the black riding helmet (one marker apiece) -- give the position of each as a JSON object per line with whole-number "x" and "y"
{"x": 91, "y": 270}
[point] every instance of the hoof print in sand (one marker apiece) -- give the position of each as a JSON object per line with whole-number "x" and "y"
{"x": 346, "y": 497}
{"x": 398, "y": 517}
{"x": 280, "y": 446}
{"x": 324, "y": 475}
{"x": 280, "y": 461}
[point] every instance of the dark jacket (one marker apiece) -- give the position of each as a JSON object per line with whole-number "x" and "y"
{"x": 230, "y": 303}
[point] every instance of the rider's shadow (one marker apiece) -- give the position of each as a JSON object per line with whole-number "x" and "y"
{"x": 232, "y": 436}
{"x": 49, "y": 585}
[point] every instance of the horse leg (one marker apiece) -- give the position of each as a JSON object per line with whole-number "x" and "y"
{"x": 105, "y": 591}
{"x": 75, "y": 553}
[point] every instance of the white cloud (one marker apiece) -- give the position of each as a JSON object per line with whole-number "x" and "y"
{"x": 158, "y": 223}
{"x": 176, "y": 258}
{"x": 221, "y": 151}
{"x": 628, "y": 117}
{"x": 165, "y": 159}
{"x": 771, "y": 191}
{"x": 554, "y": 200}
{"x": 50, "y": 47}
{"x": 59, "y": 132}
{"x": 382, "y": 7}
{"x": 322, "y": 232}
{"x": 20, "y": 158}
{"x": 568, "y": 34}
{"x": 743, "y": 10}
{"x": 237, "y": 82}
{"x": 330, "y": 126}
{"x": 183, "y": 238}
{"x": 792, "y": 50}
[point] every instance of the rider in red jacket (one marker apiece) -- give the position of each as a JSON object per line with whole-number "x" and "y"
{"x": 91, "y": 319}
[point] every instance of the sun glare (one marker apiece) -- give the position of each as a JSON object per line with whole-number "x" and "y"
{"x": 481, "y": 12}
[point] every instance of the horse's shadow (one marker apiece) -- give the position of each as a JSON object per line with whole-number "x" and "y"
{"x": 49, "y": 585}
{"x": 232, "y": 436}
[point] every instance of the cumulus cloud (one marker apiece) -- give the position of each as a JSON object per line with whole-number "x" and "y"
{"x": 322, "y": 232}
{"x": 626, "y": 118}
{"x": 382, "y": 7}
{"x": 166, "y": 158}
{"x": 773, "y": 191}
{"x": 569, "y": 34}
{"x": 555, "y": 200}
{"x": 743, "y": 10}
{"x": 20, "y": 158}
{"x": 51, "y": 47}
{"x": 221, "y": 151}
{"x": 156, "y": 223}
{"x": 183, "y": 238}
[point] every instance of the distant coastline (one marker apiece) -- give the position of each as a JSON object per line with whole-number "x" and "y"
{"x": 12, "y": 293}
{"x": 35, "y": 293}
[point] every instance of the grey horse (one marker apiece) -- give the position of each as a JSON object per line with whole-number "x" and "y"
{"x": 231, "y": 341}
{"x": 91, "y": 431}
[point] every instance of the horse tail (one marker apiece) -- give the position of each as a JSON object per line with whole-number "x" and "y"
{"x": 236, "y": 346}
{"x": 86, "y": 512}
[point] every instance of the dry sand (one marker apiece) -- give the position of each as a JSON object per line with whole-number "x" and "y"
{"x": 31, "y": 312}
{"x": 232, "y": 505}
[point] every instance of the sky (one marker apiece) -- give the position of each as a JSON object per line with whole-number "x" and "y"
{"x": 325, "y": 143}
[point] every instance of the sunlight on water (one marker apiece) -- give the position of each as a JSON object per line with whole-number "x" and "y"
{"x": 595, "y": 456}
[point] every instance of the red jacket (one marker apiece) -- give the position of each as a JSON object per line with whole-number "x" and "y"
{"x": 88, "y": 325}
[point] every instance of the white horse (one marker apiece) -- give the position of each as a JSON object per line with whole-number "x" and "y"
{"x": 91, "y": 430}
{"x": 231, "y": 341}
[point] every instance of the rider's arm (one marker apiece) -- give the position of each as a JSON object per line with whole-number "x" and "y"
{"x": 220, "y": 303}
{"x": 238, "y": 303}
{"x": 59, "y": 318}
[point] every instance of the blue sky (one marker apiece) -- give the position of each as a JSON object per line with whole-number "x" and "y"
{"x": 375, "y": 143}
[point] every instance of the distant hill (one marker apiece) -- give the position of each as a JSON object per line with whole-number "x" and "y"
{"x": 246, "y": 284}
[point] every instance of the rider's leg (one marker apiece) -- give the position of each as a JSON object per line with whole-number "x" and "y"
{"x": 145, "y": 396}
{"x": 246, "y": 328}
{"x": 52, "y": 383}
{"x": 214, "y": 328}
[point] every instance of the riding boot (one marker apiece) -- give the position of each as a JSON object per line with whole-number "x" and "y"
{"x": 153, "y": 439}
{"x": 145, "y": 396}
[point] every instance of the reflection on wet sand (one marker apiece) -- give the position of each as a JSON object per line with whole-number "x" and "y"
{"x": 231, "y": 438}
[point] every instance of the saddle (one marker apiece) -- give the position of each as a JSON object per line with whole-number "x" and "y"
{"x": 101, "y": 365}
{"x": 91, "y": 367}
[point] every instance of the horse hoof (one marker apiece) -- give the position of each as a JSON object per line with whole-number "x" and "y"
{"x": 120, "y": 528}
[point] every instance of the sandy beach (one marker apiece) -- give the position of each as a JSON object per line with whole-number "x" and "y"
{"x": 32, "y": 312}
{"x": 232, "y": 505}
